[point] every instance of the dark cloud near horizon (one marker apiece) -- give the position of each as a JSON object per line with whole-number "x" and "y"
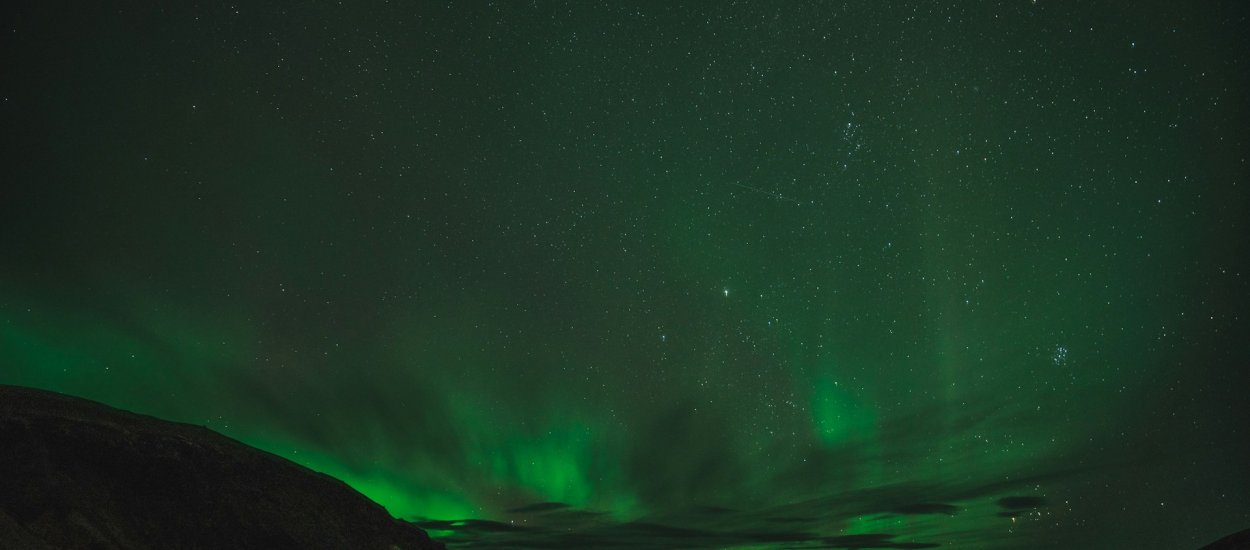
{"x": 539, "y": 507}
{"x": 1021, "y": 502}
{"x": 478, "y": 534}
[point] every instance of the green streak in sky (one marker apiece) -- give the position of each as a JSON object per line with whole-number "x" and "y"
{"x": 548, "y": 458}
{"x": 553, "y": 467}
{"x": 838, "y": 417}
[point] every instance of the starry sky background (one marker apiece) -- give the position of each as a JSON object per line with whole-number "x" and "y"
{"x": 875, "y": 274}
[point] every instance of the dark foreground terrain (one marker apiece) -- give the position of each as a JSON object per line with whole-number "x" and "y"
{"x": 79, "y": 474}
{"x": 1236, "y": 541}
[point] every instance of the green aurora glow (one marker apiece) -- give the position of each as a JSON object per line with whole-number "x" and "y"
{"x": 775, "y": 275}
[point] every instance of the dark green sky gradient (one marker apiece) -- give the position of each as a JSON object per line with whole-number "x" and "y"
{"x": 705, "y": 276}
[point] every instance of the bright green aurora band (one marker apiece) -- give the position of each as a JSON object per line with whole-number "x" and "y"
{"x": 870, "y": 275}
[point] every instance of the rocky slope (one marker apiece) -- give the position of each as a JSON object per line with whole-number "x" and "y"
{"x": 79, "y": 474}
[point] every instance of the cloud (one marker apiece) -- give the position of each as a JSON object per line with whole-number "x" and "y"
{"x": 876, "y": 540}
{"x": 599, "y": 533}
{"x": 1021, "y": 503}
{"x": 539, "y": 507}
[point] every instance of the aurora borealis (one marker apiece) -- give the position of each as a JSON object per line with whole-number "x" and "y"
{"x": 718, "y": 275}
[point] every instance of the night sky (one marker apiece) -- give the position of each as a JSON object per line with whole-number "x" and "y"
{"x": 777, "y": 274}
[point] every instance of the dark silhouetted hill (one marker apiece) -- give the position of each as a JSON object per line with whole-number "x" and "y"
{"x": 79, "y": 474}
{"x": 1236, "y": 541}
